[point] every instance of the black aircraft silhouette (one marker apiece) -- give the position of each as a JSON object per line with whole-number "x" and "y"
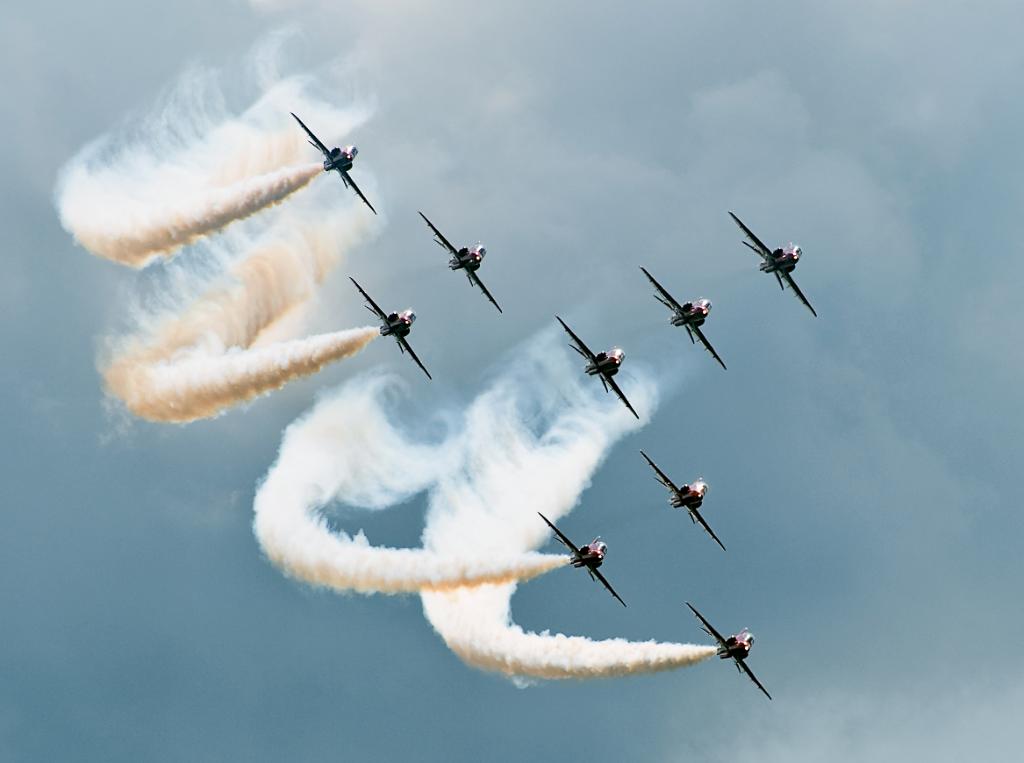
{"x": 689, "y": 315}
{"x": 397, "y": 325}
{"x": 590, "y": 556}
{"x": 468, "y": 258}
{"x": 779, "y": 262}
{"x": 689, "y": 497}
{"x": 604, "y": 364}
{"x": 339, "y": 159}
{"x": 737, "y": 647}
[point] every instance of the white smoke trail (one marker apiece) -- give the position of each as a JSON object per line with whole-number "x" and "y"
{"x": 476, "y": 624}
{"x": 487, "y": 478}
{"x": 134, "y": 231}
{"x": 347, "y": 447}
{"x": 191, "y": 169}
{"x": 199, "y": 386}
{"x": 199, "y": 360}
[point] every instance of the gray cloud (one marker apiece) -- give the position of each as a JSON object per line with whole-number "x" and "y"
{"x": 862, "y": 465}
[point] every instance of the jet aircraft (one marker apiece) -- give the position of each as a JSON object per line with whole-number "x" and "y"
{"x": 397, "y": 325}
{"x": 604, "y": 364}
{"x": 689, "y": 497}
{"x": 737, "y": 647}
{"x": 339, "y": 159}
{"x": 590, "y": 556}
{"x": 467, "y": 258}
{"x": 779, "y": 262}
{"x": 689, "y": 315}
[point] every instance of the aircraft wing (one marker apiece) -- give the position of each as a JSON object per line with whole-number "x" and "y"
{"x": 349, "y": 181}
{"x": 757, "y": 244}
{"x": 750, "y": 674}
{"x": 607, "y": 585}
{"x": 707, "y": 345}
{"x": 312, "y": 138}
{"x": 700, "y": 519}
{"x": 405, "y": 346}
{"x": 475, "y": 280}
{"x": 708, "y": 628}
{"x": 562, "y": 538}
{"x": 799, "y": 294}
{"x": 668, "y": 300}
{"x": 581, "y": 348}
{"x": 372, "y": 305}
{"x": 440, "y": 238}
{"x": 615, "y": 388}
{"x": 662, "y": 477}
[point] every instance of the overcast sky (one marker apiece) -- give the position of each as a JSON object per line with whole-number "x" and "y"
{"x": 862, "y": 464}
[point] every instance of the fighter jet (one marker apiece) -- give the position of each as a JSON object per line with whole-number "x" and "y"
{"x": 467, "y": 258}
{"x": 397, "y": 325}
{"x": 604, "y": 364}
{"x": 689, "y": 315}
{"x": 779, "y": 262}
{"x": 689, "y": 497}
{"x": 590, "y": 556}
{"x": 737, "y": 647}
{"x": 339, "y": 159}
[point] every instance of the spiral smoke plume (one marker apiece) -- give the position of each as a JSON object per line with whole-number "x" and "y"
{"x": 187, "y": 171}
{"x": 191, "y": 168}
{"x": 204, "y": 358}
{"x": 529, "y": 443}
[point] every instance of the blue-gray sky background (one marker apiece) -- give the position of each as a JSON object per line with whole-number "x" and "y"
{"x": 862, "y": 464}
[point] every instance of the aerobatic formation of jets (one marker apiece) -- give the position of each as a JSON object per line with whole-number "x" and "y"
{"x": 690, "y": 315}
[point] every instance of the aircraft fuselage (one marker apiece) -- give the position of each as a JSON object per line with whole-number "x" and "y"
{"x": 590, "y": 561}
{"x": 591, "y": 555}
{"x": 737, "y": 647}
{"x": 686, "y": 499}
{"x": 340, "y": 159}
{"x": 783, "y": 260}
{"x": 607, "y": 363}
{"x": 342, "y": 165}
{"x": 398, "y": 324}
{"x": 468, "y": 258}
{"x": 692, "y": 314}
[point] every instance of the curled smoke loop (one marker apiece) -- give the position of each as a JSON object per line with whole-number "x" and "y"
{"x": 185, "y": 172}
{"x": 531, "y": 442}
